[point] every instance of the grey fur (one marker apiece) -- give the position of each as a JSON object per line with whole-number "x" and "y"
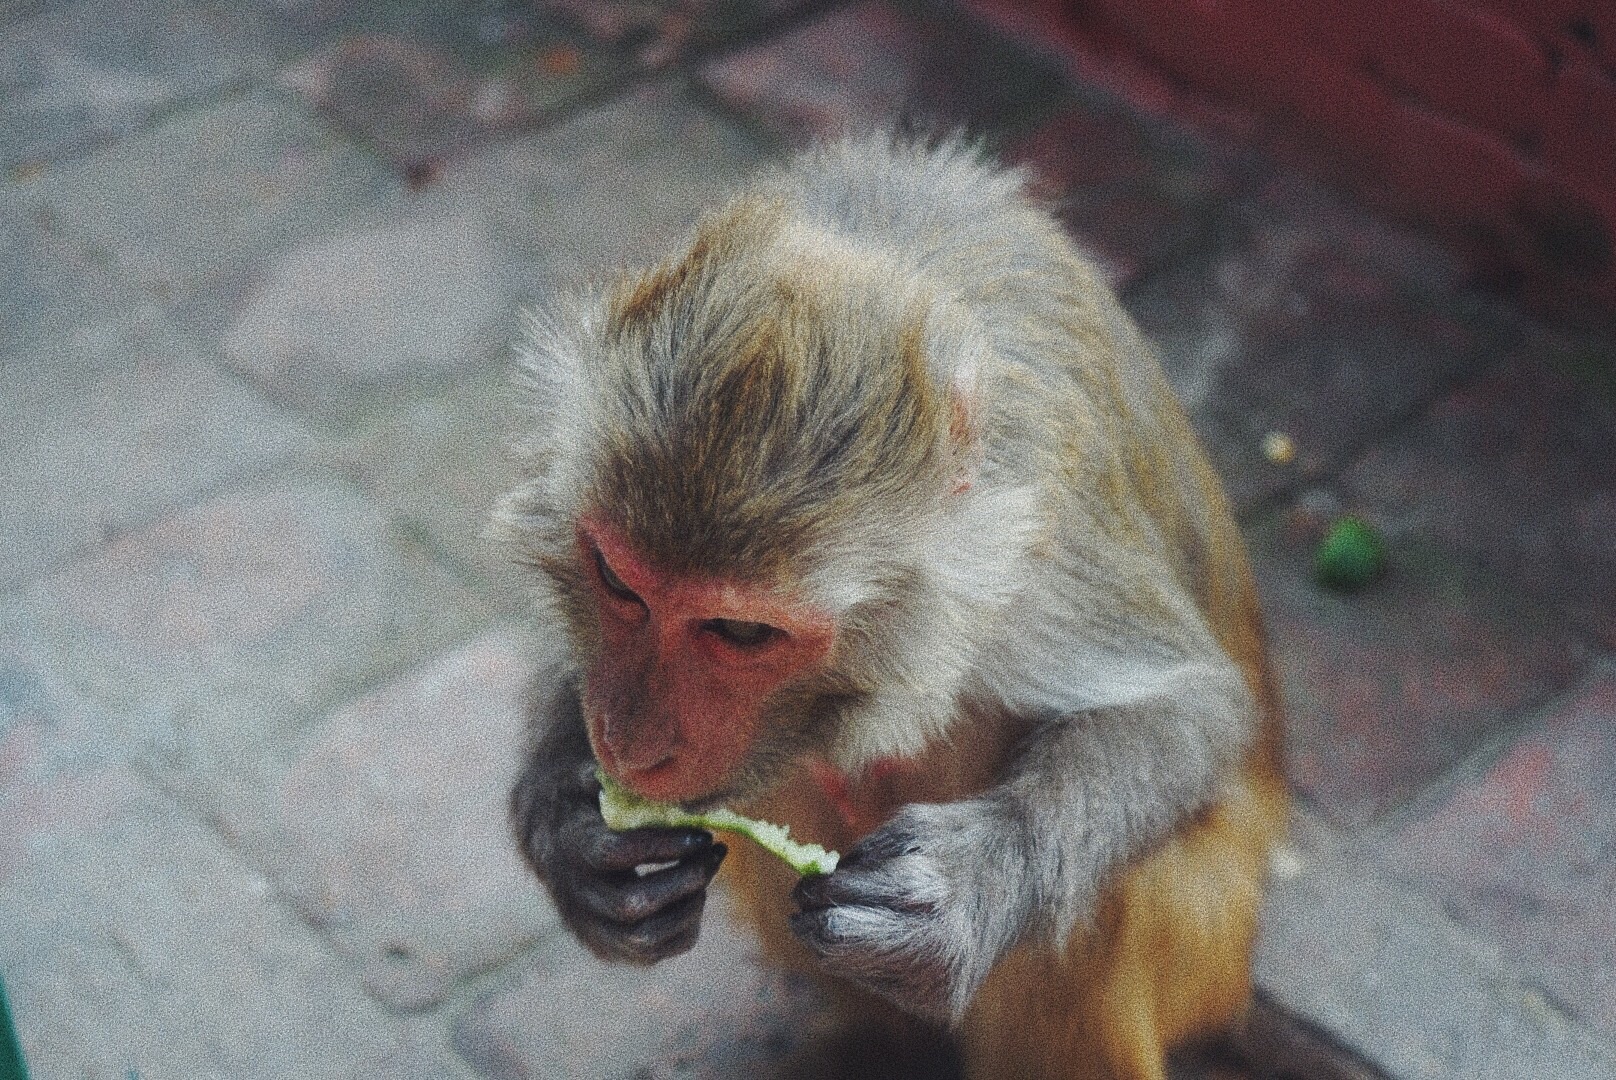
{"x": 1027, "y": 591}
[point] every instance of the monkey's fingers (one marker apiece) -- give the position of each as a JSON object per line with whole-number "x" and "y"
{"x": 879, "y": 847}
{"x": 578, "y": 783}
{"x": 669, "y": 932}
{"x": 812, "y": 926}
{"x": 865, "y": 888}
{"x": 620, "y": 852}
{"x": 839, "y": 931}
{"x": 631, "y": 902}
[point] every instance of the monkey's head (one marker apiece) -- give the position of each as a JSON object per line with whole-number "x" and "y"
{"x": 745, "y": 462}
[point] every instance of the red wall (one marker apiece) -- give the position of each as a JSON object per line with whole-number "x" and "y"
{"x": 1491, "y": 121}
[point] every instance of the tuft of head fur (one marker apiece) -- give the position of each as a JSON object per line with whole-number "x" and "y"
{"x": 758, "y": 405}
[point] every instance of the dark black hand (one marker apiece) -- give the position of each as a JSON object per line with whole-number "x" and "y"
{"x": 590, "y": 870}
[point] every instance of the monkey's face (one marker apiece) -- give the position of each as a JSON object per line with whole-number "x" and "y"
{"x": 735, "y": 460}
{"x": 687, "y": 673}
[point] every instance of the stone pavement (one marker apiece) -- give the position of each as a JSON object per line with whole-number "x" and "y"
{"x": 260, "y": 678}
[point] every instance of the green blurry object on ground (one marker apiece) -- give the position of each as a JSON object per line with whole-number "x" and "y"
{"x": 1350, "y": 556}
{"x": 11, "y": 1066}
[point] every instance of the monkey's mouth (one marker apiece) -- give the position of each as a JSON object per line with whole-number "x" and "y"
{"x": 651, "y": 781}
{"x": 699, "y": 805}
{"x": 708, "y": 802}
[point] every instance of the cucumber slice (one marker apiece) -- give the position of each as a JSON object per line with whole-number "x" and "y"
{"x": 625, "y": 810}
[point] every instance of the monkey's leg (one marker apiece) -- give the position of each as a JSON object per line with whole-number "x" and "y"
{"x": 1167, "y": 959}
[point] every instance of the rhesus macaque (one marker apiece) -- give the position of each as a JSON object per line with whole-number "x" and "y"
{"x": 871, "y": 513}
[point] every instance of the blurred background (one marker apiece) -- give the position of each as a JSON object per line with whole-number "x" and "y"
{"x": 260, "y": 264}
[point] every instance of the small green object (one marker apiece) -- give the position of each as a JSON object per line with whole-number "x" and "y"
{"x": 11, "y": 1066}
{"x": 625, "y": 810}
{"x": 1350, "y": 556}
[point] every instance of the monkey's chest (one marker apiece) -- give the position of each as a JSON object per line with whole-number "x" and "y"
{"x": 836, "y": 808}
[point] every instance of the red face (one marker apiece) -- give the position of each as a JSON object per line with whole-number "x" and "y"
{"x": 676, "y": 696}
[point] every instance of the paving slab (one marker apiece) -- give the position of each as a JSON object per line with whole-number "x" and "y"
{"x": 476, "y": 29}
{"x": 574, "y": 202}
{"x": 47, "y": 729}
{"x": 406, "y": 298}
{"x": 421, "y": 82}
{"x": 75, "y": 75}
{"x": 50, "y": 287}
{"x": 1386, "y": 973}
{"x": 112, "y": 426}
{"x": 874, "y": 64}
{"x": 659, "y": 33}
{"x": 215, "y": 635}
{"x": 1512, "y": 472}
{"x": 1291, "y": 330}
{"x": 1134, "y": 194}
{"x": 191, "y": 209}
{"x": 135, "y": 944}
{"x": 712, "y": 1012}
{"x": 1303, "y": 212}
{"x": 14, "y": 10}
{"x": 388, "y": 830}
{"x": 1525, "y": 854}
{"x": 1389, "y": 686}
{"x": 437, "y": 463}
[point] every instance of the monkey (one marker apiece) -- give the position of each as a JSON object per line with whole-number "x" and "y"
{"x": 870, "y": 512}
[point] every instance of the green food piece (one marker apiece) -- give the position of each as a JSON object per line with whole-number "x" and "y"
{"x": 625, "y": 810}
{"x": 1350, "y": 556}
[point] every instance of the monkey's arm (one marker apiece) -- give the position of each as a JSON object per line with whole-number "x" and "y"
{"x": 589, "y": 870}
{"x": 923, "y": 908}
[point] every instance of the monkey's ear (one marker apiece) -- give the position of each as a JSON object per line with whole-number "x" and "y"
{"x": 961, "y": 352}
{"x": 964, "y": 433}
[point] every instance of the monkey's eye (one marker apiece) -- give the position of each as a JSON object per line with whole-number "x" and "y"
{"x": 613, "y": 583}
{"x": 745, "y": 634}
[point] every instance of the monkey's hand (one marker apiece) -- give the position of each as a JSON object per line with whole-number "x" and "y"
{"x": 920, "y": 910}
{"x": 597, "y": 877}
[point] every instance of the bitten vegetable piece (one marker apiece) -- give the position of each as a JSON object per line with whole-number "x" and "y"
{"x": 625, "y": 810}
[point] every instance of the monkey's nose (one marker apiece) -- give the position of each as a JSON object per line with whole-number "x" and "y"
{"x": 632, "y": 759}
{"x": 637, "y": 743}
{"x": 651, "y": 782}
